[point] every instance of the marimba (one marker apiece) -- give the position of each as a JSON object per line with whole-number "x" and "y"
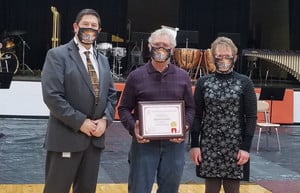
{"x": 286, "y": 60}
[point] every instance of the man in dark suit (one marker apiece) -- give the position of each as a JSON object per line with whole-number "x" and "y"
{"x": 79, "y": 113}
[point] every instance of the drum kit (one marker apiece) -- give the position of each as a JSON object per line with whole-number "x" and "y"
{"x": 196, "y": 62}
{"x": 8, "y": 59}
{"x": 118, "y": 54}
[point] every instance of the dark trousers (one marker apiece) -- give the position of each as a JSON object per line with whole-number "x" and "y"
{"x": 80, "y": 169}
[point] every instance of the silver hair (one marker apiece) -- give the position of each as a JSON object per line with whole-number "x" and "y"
{"x": 163, "y": 32}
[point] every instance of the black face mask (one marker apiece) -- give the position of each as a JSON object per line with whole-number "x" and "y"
{"x": 87, "y": 35}
{"x": 224, "y": 66}
{"x": 160, "y": 54}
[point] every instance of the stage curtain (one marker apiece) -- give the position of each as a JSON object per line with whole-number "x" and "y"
{"x": 35, "y": 18}
{"x": 213, "y": 17}
{"x": 294, "y": 6}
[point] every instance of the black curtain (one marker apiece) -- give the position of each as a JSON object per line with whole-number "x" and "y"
{"x": 213, "y": 17}
{"x": 32, "y": 19}
{"x": 294, "y": 7}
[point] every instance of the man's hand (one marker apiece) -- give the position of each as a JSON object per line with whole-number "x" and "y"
{"x": 87, "y": 127}
{"x": 139, "y": 138}
{"x": 100, "y": 128}
{"x": 180, "y": 139}
{"x": 177, "y": 140}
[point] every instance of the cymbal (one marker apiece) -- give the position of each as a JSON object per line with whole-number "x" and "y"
{"x": 115, "y": 38}
{"x": 16, "y": 32}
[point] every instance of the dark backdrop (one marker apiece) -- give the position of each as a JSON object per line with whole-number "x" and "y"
{"x": 35, "y": 18}
{"x": 209, "y": 18}
{"x": 294, "y": 24}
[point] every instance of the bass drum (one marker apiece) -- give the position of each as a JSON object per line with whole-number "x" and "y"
{"x": 10, "y": 60}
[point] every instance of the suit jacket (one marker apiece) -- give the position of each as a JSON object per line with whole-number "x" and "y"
{"x": 68, "y": 93}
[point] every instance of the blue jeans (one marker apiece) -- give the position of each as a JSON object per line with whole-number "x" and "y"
{"x": 160, "y": 159}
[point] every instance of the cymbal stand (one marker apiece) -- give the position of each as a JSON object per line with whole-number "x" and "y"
{"x": 24, "y": 45}
{"x": 117, "y": 65}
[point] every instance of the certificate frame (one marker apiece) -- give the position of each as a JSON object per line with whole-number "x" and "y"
{"x": 161, "y": 119}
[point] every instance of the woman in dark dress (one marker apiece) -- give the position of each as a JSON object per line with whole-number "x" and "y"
{"x": 224, "y": 122}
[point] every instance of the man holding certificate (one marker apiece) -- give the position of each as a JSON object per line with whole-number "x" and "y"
{"x": 157, "y": 108}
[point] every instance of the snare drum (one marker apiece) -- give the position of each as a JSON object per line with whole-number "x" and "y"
{"x": 187, "y": 58}
{"x": 119, "y": 52}
{"x": 104, "y": 47}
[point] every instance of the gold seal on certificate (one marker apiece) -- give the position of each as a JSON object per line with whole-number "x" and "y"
{"x": 161, "y": 119}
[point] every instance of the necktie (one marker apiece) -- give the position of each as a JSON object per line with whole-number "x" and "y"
{"x": 93, "y": 75}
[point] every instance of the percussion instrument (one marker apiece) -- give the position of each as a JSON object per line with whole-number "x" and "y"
{"x": 104, "y": 47}
{"x": 16, "y": 32}
{"x": 187, "y": 58}
{"x": 9, "y": 62}
{"x": 209, "y": 64}
{"x": 119, "y": 52}
{"x": 285, "y": 59}
{"x": 8, "y": 44}
{"x": 196, "y": 62}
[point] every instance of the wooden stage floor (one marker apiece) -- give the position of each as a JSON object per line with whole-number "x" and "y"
{"x": 122, "y": 188}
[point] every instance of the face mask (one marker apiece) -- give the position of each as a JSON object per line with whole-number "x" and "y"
{"x": 224, "y": 66}
{"x": 87, "y": 35}
{"x": 160, "y": 54}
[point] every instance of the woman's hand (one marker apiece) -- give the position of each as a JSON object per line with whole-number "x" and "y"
{"x": 195, "y": 154}
{"x": 242, "y": 157}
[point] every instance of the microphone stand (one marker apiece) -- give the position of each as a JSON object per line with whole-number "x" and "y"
{"x": 24, "y": 45}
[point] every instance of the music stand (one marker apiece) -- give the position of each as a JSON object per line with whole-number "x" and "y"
{"x": 137, "y": 51}
{"x": 5, "y": 79}
{"x": 187, "y": 37}
{"x": 271, "y": 93}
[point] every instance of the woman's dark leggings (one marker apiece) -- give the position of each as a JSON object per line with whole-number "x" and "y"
{"x": 213, "y": 185}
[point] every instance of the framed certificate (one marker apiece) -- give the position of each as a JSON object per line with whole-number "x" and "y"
{"x": 161, "y": 119}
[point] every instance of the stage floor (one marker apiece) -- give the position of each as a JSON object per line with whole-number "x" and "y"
{"x": 22, "y": 157}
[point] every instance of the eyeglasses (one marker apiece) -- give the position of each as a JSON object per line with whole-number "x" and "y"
{"x": 227, "y": 57}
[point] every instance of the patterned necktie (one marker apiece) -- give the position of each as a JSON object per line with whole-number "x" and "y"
{"x": 93, "y": 75}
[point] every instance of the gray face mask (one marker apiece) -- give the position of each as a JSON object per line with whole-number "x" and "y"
{"x": 160, "y": 54}
{"x": 224, "y": 66}
{"x": 87, "y": 35}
